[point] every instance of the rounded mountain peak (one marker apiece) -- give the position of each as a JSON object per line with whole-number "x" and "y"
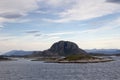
{"x": 64, "y": 48}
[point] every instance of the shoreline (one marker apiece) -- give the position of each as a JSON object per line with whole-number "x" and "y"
{"x": 87, "y": 61}
{"x": 76, "y": 61}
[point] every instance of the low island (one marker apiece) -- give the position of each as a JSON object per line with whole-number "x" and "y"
{"x": 67, "y": 52}
{"x": 2, "y": 58}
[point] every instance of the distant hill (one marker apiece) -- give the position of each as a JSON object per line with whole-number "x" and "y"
{"x": 18, "y": 53}
{"x": 103, "y": 51}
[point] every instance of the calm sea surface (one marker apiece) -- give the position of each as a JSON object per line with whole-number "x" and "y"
{"x": 28, "y": 70}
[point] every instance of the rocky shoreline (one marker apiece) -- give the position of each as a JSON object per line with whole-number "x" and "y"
{"x": 81, "y": 61}
{"x": 50, "y": 60}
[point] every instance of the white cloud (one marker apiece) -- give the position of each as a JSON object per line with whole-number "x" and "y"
{"x": 14, "y": 6}
{"x": 60, "y": 33}
{"x": 12, "y": 10}
{"x": 85, "y": 9}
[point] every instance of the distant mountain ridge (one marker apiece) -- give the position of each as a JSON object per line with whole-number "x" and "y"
{"x": 62, "y": 48}
{"x": 37, "y": 53}
{"x": 103, "y": 51}
{"x": 18, "y": 53}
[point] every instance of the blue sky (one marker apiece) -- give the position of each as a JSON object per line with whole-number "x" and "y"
{"x": 37, "y": 24}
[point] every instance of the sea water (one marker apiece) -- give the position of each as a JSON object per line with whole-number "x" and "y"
{"x": 37, "y": 70}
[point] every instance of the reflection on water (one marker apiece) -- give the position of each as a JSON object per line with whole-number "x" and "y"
{"x": 28, "y": 70}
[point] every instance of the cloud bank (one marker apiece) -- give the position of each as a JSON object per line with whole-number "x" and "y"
{"x": 85, "y": 10}
{"x": 11, "y": 10}
{"x": 63, "y": 10}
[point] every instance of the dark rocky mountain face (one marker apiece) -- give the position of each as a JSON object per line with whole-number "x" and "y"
{"x": 63, "y": 48}
{"x": 35, "y": 54}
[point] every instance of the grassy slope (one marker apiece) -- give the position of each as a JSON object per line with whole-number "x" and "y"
{"x": 79, "y": 57}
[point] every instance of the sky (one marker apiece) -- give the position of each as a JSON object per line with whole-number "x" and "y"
{"x": 37, "y": 24}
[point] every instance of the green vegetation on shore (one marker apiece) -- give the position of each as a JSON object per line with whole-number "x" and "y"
{"x": 79, "y": 57}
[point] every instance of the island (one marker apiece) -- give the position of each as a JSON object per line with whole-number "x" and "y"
{"x": 2, "y": 58}
{"x": 66, "y": 52}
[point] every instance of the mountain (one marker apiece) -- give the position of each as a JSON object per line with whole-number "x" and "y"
{"x": 104, "y": 51}
{"x": 36, "y": 54}
{"x": 18, "y": 53}
{"x": 63, "y": 48}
